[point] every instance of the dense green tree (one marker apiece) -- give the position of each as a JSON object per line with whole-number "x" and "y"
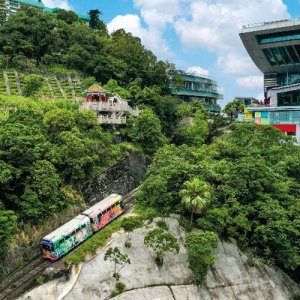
{"x": 146, "y": 130}
{"x": 161, "y": 242}
{"x": 113, "y": 87}
{"x": 33, "y": 85}
{"x": 8, "y": 226}
{"x": 233, "y": 108}
{"x": 58, "y": 120}
{"x": 165, "y": 177}
{"x": 32, "y": 38}
{"x": 28, "y": 34}
{"x": 193, "y": 130}
{"x": 42, "y": 195}
{"x": 67, "y": 16}
{"x": 200, "y": 253}
{"x": 196, "y": 195}
{"x": 94, "y": 18}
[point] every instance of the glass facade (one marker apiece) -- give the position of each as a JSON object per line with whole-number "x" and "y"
{"x": 287, "y": 55}
{"x": 291, "y": 98}
{"x": 201, "y": 86}
{"x": 284, "y": 117}
{"x": 277, "y": 117}
{"x": 288, "y": 78}
{"x": 278, "y": 37}
{"x": 198, "y": 88}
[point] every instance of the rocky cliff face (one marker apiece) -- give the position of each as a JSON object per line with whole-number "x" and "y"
{"x": 121, "y": 178}
{"x": 230, "y": 278}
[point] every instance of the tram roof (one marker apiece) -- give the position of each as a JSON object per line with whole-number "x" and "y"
{"x": 67, "y": 228}
{"x": 102, "y": 205}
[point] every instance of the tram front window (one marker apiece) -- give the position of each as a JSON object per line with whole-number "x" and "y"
{"x": 45, "y": 247}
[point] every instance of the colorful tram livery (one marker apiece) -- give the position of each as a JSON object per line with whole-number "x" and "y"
{"x": 68, "y": 236}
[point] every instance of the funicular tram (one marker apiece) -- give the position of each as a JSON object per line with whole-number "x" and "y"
{"x": 61, "y": 241}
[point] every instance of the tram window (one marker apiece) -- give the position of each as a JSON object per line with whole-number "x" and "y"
{"x": 99, "y": 217}
{"x": 45, "y": 247}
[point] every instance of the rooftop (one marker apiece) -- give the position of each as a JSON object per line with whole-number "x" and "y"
{"x": 37, "y": 4}
{"x": 34, "y": 3}
{"x": 102, "y": 205}
{"x": 67, "y": 228}
{"x": 270, "y": 24}
{"x": 274, "y": 46}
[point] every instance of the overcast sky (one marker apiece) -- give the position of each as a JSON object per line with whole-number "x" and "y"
{"x": 201, "y": 35}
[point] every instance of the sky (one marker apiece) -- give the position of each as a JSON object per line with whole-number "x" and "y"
{"x": 196, "y": 35}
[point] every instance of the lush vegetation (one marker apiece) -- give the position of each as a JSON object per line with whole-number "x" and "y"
{"x": 200, "y": 252}
{"x": 243, "y": 185}
{"x": 46, "y": 151}
{"x": 161, "y": 242}
{"x": 33, "y": 40}
{"x": 129, "y": 224}
{"x": 49, "y": 148}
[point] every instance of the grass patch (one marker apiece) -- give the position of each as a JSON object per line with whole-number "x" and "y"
{"x": 120, "y": 287}
{"x": 40, "y": 280}
{"x": 146, "y": 212}
{"x": 162, "y": 224}
{"x": 12, "y": 102}
{"x": 95, "y": 242}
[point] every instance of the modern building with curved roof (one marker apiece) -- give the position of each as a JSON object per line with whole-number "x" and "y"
{"x": 201, "y": 88}
{"x": 275, "y": 49}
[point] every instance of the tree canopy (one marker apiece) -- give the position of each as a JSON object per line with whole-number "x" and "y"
{"x": 254, "y": 178}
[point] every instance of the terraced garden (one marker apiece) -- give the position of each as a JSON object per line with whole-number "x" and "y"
{"x": 64, "y": 88}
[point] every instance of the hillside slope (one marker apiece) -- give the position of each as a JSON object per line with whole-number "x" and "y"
{"x": 231, "y": 278}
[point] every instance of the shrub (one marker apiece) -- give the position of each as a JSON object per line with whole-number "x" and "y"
{"x": 129, "y": 224}
{"x": 185, "y": 224}
{"x": 161, "y": 242}
{"x": 162, "y": 224}
{"x": 40, "y": 280}
{"x": 33, "y": 85}
{"x": 214, "y": 220}
{"x": 200, "y": 247}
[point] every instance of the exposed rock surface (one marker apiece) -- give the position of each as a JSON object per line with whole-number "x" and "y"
{"x": 57, "y": 270}
{"x": 121, "y": 178}
{"x": 230, "y": 278}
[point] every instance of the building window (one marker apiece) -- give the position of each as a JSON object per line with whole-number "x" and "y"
{"x": 270, "y": 57}
{"x": 278, "y": 37}
{"x": 291, "y": 98}
{"x": 188, "y": 85}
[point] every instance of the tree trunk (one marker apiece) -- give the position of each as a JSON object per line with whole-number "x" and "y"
{"x": 192, "y": 216}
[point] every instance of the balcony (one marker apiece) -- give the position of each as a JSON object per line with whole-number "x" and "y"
{"x": 198, "y": 93}
{"x": 212, "y": 107}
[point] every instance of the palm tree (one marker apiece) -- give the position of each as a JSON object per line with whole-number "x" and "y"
{"x": 196, "y": 195}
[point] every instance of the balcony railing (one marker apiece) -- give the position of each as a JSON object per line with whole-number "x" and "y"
{"x": 212, "y": 107}
{"x": 198, "y": 93}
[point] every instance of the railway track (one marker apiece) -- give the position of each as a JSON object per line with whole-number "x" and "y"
{"x": 14, "y": 285}
{"x": 21, "y": 280}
